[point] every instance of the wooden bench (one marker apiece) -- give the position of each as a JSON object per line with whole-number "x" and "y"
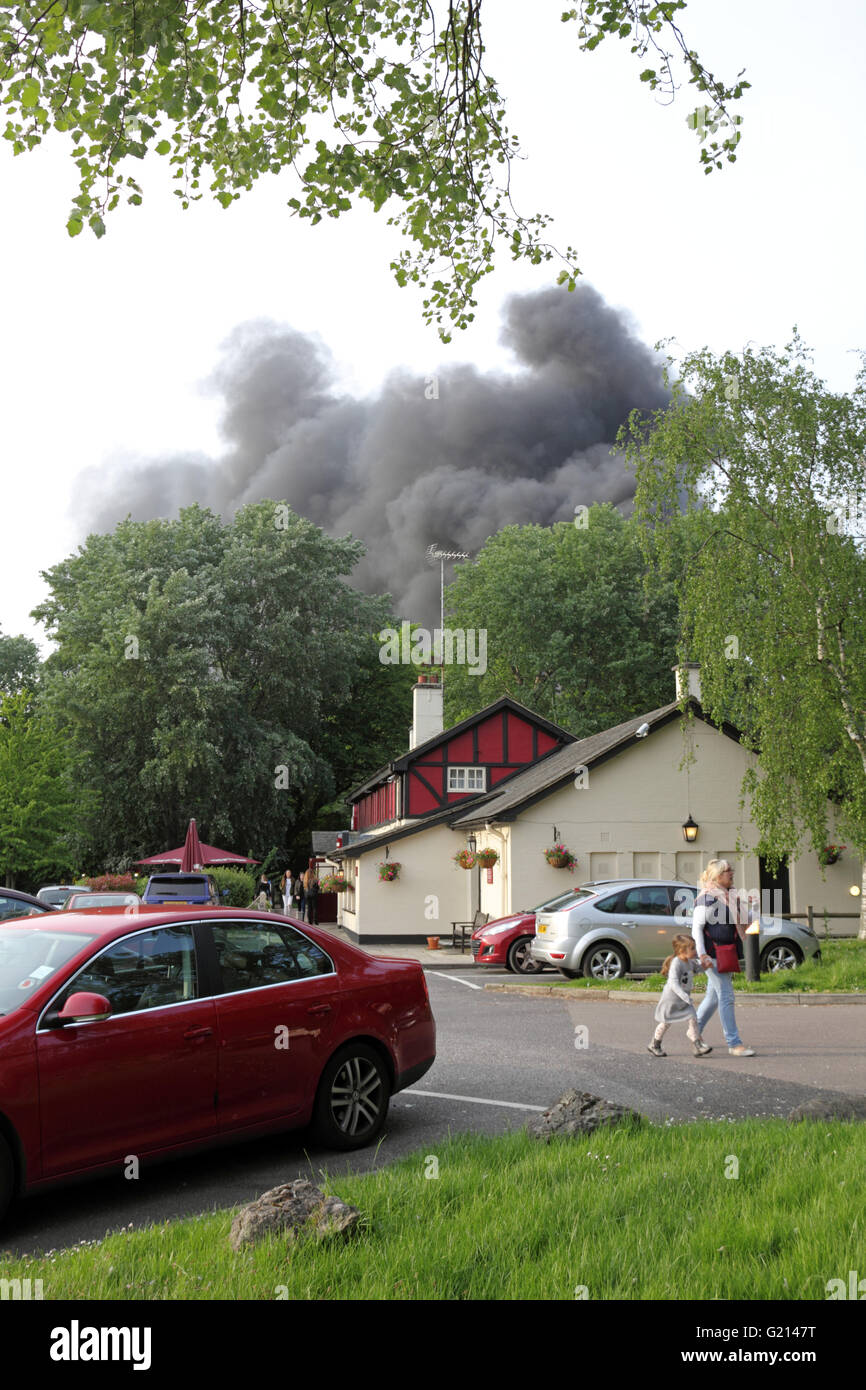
{"x": 478, "y": 920}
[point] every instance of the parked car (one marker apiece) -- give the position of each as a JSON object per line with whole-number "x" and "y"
{"x": 507, "y": 940}
{"x": 85, "y": 898}
{"x": 168, "y": 1031}
{"x": 625, "y": 926}
{"x": 16, "y": 904}
{"x": 181, "y": 889}
{"x": 55, "y": 894}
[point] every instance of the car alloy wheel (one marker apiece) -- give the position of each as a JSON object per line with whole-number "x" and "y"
{"x": 605, "y": 962}
{"x": 520, "y": 957}
{"x": 782, "y": 956}
{"x": 352, "y": 1100}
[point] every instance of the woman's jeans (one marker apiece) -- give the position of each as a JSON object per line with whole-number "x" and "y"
{"x": 720, "y": 995}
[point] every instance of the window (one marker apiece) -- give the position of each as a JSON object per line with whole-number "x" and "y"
{"x": 652, "y": 902}
{"x": 467, "y": 779}
{"x": 253, "y": 954}
{"x": 17, "y": 907}
{"x": 144, "y": 971}
{"x": 612, "y": 904}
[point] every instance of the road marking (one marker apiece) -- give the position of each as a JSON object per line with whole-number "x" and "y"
{"x": 439, "y": 976}
{"x": 473, "y": 1100}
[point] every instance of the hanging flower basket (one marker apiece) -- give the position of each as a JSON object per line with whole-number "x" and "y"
{"x": 558, "y": 857}
{"x": 334, "y": 883}
{"x": 464, "y": 859}
{"x": 830, "y": 854}
{"x": 487, "y": 857}
{"x": 389, "y": 869}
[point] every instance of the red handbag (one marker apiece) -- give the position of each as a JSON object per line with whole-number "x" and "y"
{"x": 727, "y": 960}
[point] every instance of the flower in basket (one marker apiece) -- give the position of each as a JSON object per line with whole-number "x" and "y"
{"x": 464, "y": 859}
{"x": 487, "y": 857}
{"x": 389, "y": 869}
{"x": 830, "y": 853}
{"x": 558, "y": 857}
{"x": 334, "y": 883}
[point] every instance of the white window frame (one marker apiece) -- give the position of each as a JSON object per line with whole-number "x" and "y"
{"x": 466, "y": 770}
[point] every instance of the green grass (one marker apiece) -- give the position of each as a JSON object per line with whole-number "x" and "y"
{"x": 841, "y": 970}
{"x": 630, "y": 1214}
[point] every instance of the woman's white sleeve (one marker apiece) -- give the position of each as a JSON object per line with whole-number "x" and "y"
{"x": 699, "y": 921}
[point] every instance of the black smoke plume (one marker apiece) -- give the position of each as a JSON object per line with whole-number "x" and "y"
{"x": 449, "y": 459}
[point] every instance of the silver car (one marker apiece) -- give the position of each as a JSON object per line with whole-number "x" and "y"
{"x": 625, "y": 926}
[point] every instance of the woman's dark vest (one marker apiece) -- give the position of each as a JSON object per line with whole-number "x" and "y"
{"x": 721, "y": 925}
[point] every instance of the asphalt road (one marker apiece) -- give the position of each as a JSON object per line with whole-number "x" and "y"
{"x": 499, "y": 1058}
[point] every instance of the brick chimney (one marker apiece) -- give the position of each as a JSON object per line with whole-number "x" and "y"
{"x": 427, "y": 708}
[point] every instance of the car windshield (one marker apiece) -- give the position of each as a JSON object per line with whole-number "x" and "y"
{"x": 28, "y": 956}
{"x": 573, "y": 895}
{"x": 102, "y": 899}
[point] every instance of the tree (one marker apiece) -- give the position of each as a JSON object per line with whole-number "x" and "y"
{"x": 570, "y": 632}
{"x": 773, "y": 583}
{"x": 19, "y": 664}
{"x": 385, "y": 101}
{"x": 195, "y": 663}
{"x": 35, "y": 800}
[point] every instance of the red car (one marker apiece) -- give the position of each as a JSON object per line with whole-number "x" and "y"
{"x": 506, "y": 941}
{"x": 151, "y": 1032}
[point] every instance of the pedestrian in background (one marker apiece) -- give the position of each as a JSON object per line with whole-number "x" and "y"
{"x": 287, "y": 885}
{"x": 311, "y": 886}
{"x": 298, "y": 896}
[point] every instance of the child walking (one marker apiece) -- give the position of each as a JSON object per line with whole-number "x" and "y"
{"x": 676, "y": 1001}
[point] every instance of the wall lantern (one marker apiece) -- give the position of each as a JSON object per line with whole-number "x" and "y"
{"x": 471, "y": 844}
{"x": 690, "y": 830}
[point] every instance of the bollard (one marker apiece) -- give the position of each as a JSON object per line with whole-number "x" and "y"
{"x": 752, "y": 953}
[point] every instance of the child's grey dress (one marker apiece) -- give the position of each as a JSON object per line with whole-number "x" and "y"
{"x": 676, "y": 1001}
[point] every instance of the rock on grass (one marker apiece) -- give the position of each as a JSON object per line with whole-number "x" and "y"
{"x": 295, "y": 1209}
{"x": 577, "y": 1112}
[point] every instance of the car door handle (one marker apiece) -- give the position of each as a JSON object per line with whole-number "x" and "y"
{"x": 628, "y": 924}
{"x": 319, "y": 1009}
{"x": 193, "y": 1033}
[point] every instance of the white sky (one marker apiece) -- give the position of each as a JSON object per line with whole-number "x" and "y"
{"x": 106, "y": 345}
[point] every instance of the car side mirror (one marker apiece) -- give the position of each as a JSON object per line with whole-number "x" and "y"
{"x": 83, "y": 1008}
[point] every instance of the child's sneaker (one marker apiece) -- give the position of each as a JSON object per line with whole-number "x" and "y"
{"x": 700, "y": 1048}
{"x": 656, "y": 1049}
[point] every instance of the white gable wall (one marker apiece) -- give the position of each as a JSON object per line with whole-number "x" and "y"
{"x": 627, "y": 822}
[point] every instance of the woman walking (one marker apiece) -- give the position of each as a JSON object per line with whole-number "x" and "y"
{"x": 717, "y": 927}
{"x": 287, "y": 886}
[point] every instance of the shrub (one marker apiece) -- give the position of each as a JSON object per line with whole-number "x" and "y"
{"x": 241, "y": 886}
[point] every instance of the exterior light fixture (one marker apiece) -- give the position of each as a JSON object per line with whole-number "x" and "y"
{"x": 690, "y": 830}
{"x": 854, "y": 890}
{"x": 471, "y": 844}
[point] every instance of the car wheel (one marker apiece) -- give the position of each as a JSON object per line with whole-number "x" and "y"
{"x": 519, "y": 957}
{"x": 605, "y": 962}
{"x": 782, "y": 955}
{"x": 352, "y": 1099}
{"x": 7, "y": 1177}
